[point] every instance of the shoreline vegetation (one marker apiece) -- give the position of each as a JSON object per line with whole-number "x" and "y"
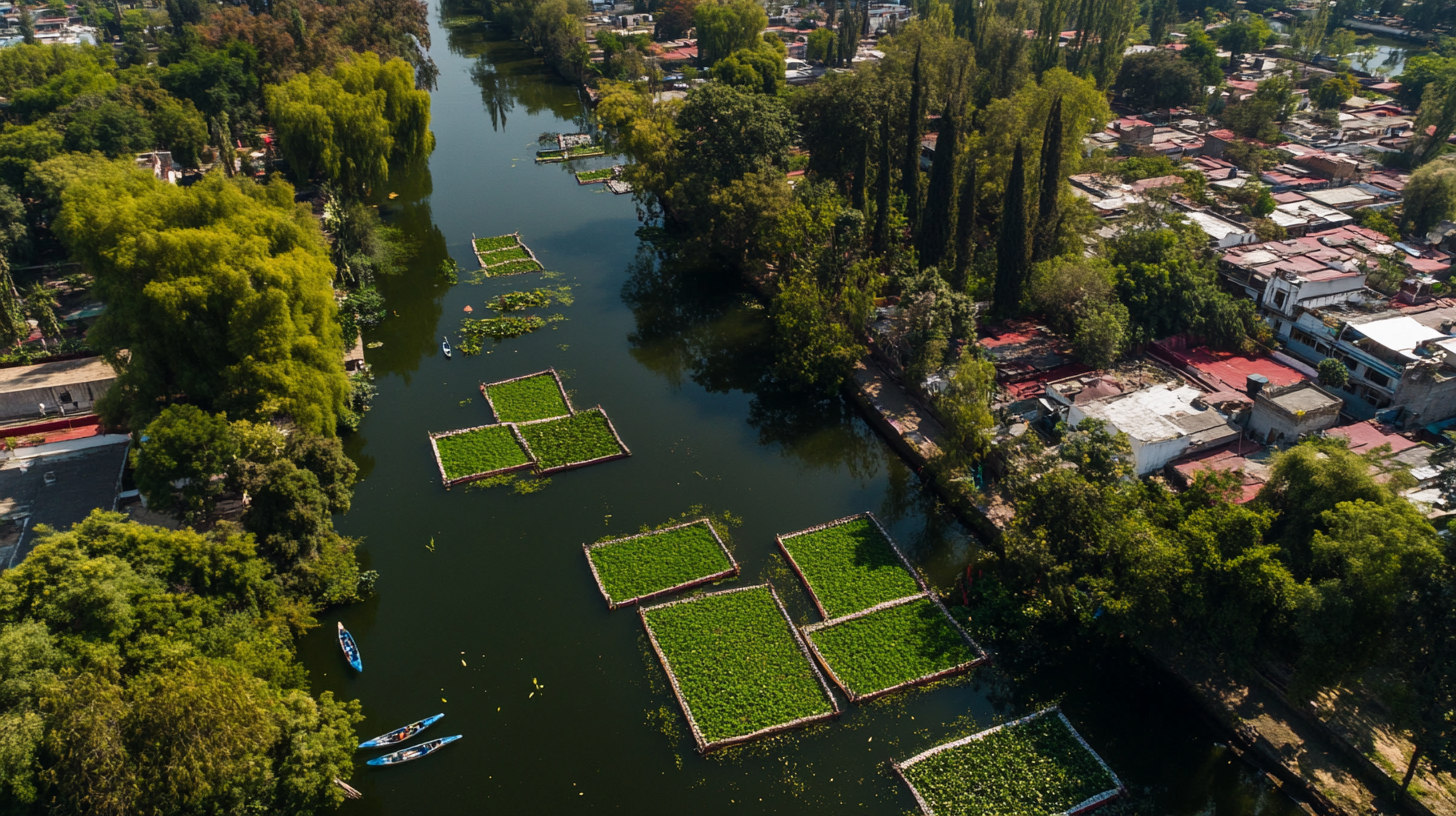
{"x": 236, "y": 426}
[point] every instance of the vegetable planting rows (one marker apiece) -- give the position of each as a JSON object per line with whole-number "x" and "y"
{"x": 895, "y": 646}
{"x": 591, "y": 176}
{"x": 512, "y": 268}
{"x": 849, "y": 565}
{"x": 502, "y": 255}
{"x": 483, "y": 245}
{"x": 475, "y": 453}
{"x": 635, "y": 568}
{"x": 528, "y": 398}
{"x": 572, "y": 441}
{"x": 1035, "y": 765}
{"x": 737, "y": 666}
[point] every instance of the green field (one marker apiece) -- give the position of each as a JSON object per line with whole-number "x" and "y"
{"x": 479, "y": 451}
{"x": 570, "y": 440}
{"x": 498, "y": 242}
{"x": 737, "y": 663}
{"x": 633, "y": 567}
{"x": 536, "y": 397}
{"x": 594, "y": 175}
{"x": 892, "y": 646}
{"x": 1030, "y": 769}
{"x": 850, "y": 567}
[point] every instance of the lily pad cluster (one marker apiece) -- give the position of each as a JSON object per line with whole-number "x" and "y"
{"x": 645, "y": 565}
{"x": 892, "y": 647}
{"x": 737, "y": 664}
{"x": 849, "y": 565}
{"x": 1037, "y": 765}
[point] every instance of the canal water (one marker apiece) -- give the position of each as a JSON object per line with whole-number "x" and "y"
{"x": 486, "y": 610}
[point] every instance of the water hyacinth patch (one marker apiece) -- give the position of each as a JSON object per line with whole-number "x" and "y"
{"x": 499, "y": 242}
{"x": 523, "y": 399}
{"x": 629, "y": 570}
{"x": 849, "y": 565}
{"x": 478, "y": 451}
{"x": 531, "y": 299}
{"x": 572, "y": 440}
{"x": 736, "y": 665}
{"x": 474, "y": 332}
{"x": 1035, "y": 765}
{"x": 892, "y": 647}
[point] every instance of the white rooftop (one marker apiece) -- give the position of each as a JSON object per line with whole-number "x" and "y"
{"x": 1400, "y": 334}
{"x": 1147, "y": 415}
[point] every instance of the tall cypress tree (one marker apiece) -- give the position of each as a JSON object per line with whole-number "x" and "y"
{"x": 881, "y": 240}
{"x": 910, "y": 170}
{"x": 1048, "y": 214}
{"x": 965, "y": 244}
{"x": 1011, "y": 247}
{"x": 937, "y": 231}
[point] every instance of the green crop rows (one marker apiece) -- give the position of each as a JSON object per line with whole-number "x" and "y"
{"x": 639, "y": 566}
{"x": 512, "y": 268}
{"x": 850, "y": 567}
{"x": 535, "y": 397}
{"x": 1037, "y": 767}
{"x": 593, "y": 175}
{"x": 569, "y": 440}
{"x": 502, "y": 255}
{"x": 498, "y": 242}
{"x": 479, "y": 451}
{"x": 737, "y": 663}
{"x": 892, "y": 646}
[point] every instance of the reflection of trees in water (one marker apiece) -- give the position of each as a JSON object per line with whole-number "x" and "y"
{"x": 416, "y": 294}
{"x": 695, "y": 324}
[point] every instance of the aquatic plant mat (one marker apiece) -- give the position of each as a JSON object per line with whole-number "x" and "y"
{"x": 598, "y": 176}
{"x": 1035, "y": 765}
{"x": 581, "y": 439}
{"x": 737, "y": 666}
{"x": 504, "y": 255}
{"x": 850, "y": 565}
{"x": 528, "y": 397}
{"x": 640, "y": 567}
{"x": 893, "y": 646}
{"x": 477, "y": 453}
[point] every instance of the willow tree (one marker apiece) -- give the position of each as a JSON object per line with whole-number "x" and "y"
{"x": 40, "y": 306}
{"x": 220, "y": 292}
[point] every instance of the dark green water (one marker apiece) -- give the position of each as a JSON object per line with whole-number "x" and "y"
{"x": 678, "y": 362}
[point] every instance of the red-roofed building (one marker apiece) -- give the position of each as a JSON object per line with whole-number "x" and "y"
{"x": 1367, "y": 436}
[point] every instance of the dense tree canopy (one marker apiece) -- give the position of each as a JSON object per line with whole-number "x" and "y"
{"x": 220, "y": 292}
{"x": 152, "y": 671}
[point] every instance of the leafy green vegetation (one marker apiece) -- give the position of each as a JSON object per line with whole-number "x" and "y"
{"x": 581, "y": 151}
{"x": 502, "y": 255}
{"x": 533, "y": 299}
{"x": 512, "y": 268}
{"x": 630, "y": 568}
{"x": 595, "y": 175}
{"x": 850, "y": 566}
{"x": 892, "y": 646}
{"x": 484, "y": 245}
{"x": 737, "y": 662}
{"x": 482, "y": 450}
{"x": 535, "y": 397}
{"x": 550, "y": 155}
{"x": 199, "y": 705}
{"x": 1029, "y": 769}
{"x": 571, "y": 440}
{"x": 474, "y": 332}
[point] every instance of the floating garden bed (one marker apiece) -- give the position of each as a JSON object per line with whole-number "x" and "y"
{"x": 585, "y": 438}
{"x": 737, "y": 666}
{"x": 477, "y": 453}
{"x": 502, "y": 255}
{"x": 528, "y": 397}
{"x": 850, "y": 565}
{"x": 512, "y": 268}
{"x": 596, "y": 176}
{"x": 1032, "y": 766}
{"x": 483, "y": 245}
{"x": 552, "y": 155}
{"x": 638, "y": 568}
{"x": 892, "y": 646}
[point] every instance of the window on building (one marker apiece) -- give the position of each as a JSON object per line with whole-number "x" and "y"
{"x": 1377, "y": 378}
{"x": 1279, "y": 298}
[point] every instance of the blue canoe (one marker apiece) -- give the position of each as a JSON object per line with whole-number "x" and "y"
{"x": 351, "y": 649}
{"x": 413, "y": 752}
{"x": 399, "y": 735}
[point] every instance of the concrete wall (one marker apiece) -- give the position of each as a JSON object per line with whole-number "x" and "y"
{"x": 1427, "y": 392}
{"x": 1270, "y": 423}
